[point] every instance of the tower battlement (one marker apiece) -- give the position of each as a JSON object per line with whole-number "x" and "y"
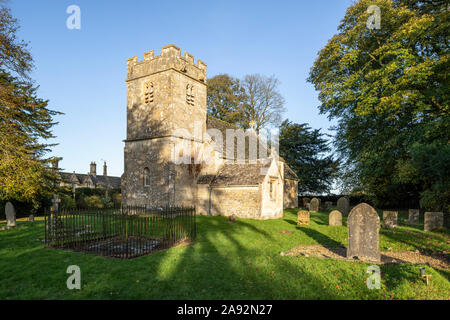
{"x": 170, "y": 58}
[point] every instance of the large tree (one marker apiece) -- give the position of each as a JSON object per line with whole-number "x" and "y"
{"x": 25, "y": 121}
{"x": 307, "y": 152}
{"x": 263, "y": 105}
{"x": 389, "y": 90}
{"x": 225, "y": 98}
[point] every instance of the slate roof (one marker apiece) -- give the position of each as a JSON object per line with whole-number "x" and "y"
{"x": 99, "y": 180}
{"x": 239, "y": 174}
{"x": 222, "y": 126}
{"x": 236, "y": 175}
{"x": 289, "y": 173}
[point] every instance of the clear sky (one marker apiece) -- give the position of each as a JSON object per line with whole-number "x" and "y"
{"x": 82, "y": 72}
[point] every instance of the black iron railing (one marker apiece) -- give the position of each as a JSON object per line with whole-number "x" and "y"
{"x": 125, "y": 233}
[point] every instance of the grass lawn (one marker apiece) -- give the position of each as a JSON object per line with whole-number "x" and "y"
{"x": 227, "y": 261}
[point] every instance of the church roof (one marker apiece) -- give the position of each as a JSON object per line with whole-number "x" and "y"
{"x": 289, "y": 173}
{"x": 225, "y": 151}
{"x": 222, "y": 126}
{"x": 236, "y": 174}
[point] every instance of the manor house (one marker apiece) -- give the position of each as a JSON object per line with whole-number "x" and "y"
{"x": 175, "y": 154}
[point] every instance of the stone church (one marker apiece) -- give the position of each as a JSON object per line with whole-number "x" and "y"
{"x": 175, "y": 154}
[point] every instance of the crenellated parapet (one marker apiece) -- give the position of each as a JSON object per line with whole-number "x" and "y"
{"x": 170, "y": 58}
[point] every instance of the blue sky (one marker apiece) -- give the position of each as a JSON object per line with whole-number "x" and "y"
{"x": 82, "y": 72}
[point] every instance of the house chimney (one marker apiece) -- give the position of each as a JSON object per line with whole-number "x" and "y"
{"x": 93, "y": 169}
{"x": 105, "y": 169}
{"x": 55, "y": 163}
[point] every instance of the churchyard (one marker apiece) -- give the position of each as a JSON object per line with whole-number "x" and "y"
{"x": 245, "y": 259}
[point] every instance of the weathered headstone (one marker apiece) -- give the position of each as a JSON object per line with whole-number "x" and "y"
{"x": 314, "y": 205}
{"x": 302, "y": 218}
{"x": 305, "y": 202}
{"x": 31, "y": 218}
{"x": 390, "y": 219}
{"x": 343, "y": 205}
{"x": 10, "y": 213}
{"x": 413, "y": 216}
{"x": 308, "y": 205}
{"x": 335, "y": 218}
{"x": 363, "y": 233}
{"x": 433, "y": 221}
{"x": 328, "y": 205}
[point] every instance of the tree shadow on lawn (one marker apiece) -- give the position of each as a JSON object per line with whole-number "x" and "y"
{"x": 225, "y": 262}
{"x": 419, "y": 240}
{"x": 219, "y": 265}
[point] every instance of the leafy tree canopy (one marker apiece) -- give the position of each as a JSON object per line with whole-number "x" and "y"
{"x": 389, "y": 90}
{"x": 25, "y": 121}
{"x": 307, "y": 152}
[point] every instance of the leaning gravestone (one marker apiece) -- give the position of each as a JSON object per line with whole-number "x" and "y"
{"x": 343, "y": 205}
{"x": 335, "y": 218}
{"x": 305, "y": 202}
{"x": 10, "y": 215}
{"x": 433, "y": 221}
{"x": 413, "y": 216}
{"x": 363, "y": 233}
{"x": 303, "y": 218}
{"x": 314, "y": 205}
{"x": 390, "y": 219}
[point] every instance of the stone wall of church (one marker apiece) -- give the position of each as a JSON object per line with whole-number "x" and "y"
{"x": 244, "y": 202}
{"x": 290, "y": 198}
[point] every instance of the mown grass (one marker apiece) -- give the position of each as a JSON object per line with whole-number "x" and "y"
{"x": 227, "y": 261}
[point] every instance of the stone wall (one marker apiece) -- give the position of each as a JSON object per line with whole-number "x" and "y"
{"x": 290, "y": 197}
{"x": 244, "y": 202}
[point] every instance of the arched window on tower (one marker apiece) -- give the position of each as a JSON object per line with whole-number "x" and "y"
{"x": 146, "y": 177}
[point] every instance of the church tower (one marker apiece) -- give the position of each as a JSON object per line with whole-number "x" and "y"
{"x": 165, "y": 94}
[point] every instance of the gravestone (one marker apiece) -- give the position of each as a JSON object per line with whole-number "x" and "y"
{"x": 10, "y": 213}
{"x": 433, "y": 221}
{"x": 328, "y": 205}
{"x": 31, "y": 218}
{"x": 413, "y": 216}
{"x": 363, "y": 233}
{"x": 343, "y": 205}
{"x": 335, "y": 218}
{"x": 303, "y": 218}
{"x": 308, "y": 205}
{"x": 314, "y": 205}
{"x": 390, "y": 219}
{"x": 305, "y": 202}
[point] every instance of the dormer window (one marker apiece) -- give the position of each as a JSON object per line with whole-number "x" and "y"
{"x": 148, "y": 92}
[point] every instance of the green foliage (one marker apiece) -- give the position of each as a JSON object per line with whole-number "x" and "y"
{"x": 389, "y": 91}
{"x": 94, "y": 202}
{"x": 306, "y": 151}
{"x": 225, "y": 98}
{"x": 67, "y": 202}
{"x": 25, "y": 122}
{"x": 253, "y": 100}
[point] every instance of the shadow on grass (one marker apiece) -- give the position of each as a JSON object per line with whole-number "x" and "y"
{"x": 225, "y": 262}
